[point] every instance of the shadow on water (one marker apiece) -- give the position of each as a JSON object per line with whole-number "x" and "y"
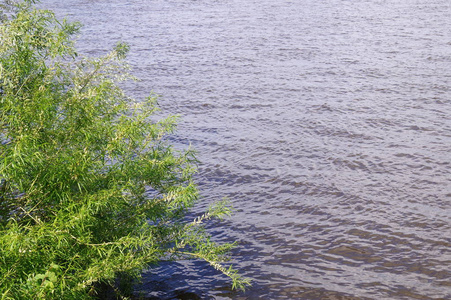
{"x": 177, "y": 280}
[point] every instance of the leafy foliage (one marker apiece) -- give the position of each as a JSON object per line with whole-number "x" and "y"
{"x": 90, "y": 187}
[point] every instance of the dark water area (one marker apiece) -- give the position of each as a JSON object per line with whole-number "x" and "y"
{"x": 326, "y": 123}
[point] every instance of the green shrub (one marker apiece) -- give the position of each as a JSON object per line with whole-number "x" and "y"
{"x": 90, "y": 187}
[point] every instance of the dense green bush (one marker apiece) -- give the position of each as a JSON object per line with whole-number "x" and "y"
{"x": 90, "y": 188}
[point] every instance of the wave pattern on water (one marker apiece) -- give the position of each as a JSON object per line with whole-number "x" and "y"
{"x": 327, "y": 124}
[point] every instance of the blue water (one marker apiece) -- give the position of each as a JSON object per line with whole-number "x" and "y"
{"x": 326, "y": 123}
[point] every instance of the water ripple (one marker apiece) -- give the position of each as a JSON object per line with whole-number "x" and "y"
{"x": 326, "y": 123}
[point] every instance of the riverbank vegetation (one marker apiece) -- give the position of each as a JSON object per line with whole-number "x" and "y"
{"x": 91, "y": 190}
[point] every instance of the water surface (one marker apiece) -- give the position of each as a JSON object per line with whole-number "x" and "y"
{"x": 326, "y": 123}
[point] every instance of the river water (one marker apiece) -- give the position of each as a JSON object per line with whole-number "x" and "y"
{"x": 326, "y": 123}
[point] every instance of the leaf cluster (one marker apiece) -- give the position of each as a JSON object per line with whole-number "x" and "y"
{"x": 90, "y": 187}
